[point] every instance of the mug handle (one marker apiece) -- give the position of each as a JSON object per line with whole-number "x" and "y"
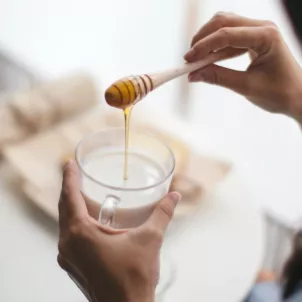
{"x": 108, "y": 209}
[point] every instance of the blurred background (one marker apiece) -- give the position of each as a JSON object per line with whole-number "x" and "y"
{"x": 42, "y": 41}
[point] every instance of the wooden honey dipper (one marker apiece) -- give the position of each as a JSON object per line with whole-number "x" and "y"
{"x": 129, "y": 90}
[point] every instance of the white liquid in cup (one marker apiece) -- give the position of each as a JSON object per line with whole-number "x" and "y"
{"x": 136, "y": 205}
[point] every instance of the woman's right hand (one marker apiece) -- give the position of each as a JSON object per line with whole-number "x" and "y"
{"x": 273, "y": 80}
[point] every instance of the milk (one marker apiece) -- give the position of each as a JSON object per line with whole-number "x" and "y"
{"x": 138, "y": 194}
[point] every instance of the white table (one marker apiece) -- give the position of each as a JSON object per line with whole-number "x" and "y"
{"x": 218, "y": 255}
{"x": 28, "y": 252}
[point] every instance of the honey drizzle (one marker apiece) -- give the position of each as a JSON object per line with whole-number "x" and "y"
{"x": 127, "y": 115}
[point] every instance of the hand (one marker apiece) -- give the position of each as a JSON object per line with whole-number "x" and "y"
{"x": 273, "y": 80}
{"x": 110, "y": 265}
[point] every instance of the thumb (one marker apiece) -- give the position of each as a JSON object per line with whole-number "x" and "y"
{"x": 163, "y": 212}
{"x": 221, "y": 76}
{"x": 71, "y": 203}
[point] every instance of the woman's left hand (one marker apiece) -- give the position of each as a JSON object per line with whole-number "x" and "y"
{"x": 108, "y": 264}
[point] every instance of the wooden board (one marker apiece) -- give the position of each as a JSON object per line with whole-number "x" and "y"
{"x": 36, "y": 110}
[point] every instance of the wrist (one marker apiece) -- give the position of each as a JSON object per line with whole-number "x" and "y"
{"x": 140, "y": 297}
{"x": 128, "y": 294}
{"x": 146, "y": 299}
{"x": 139, "y": 290}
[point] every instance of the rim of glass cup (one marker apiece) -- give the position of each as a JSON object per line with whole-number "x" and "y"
{"x": 85, "y": 138}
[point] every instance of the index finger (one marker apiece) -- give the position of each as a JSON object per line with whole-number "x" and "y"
{"x": 221, "y": 20}
{"x": 258, "y": 39}
{"x": 71, "y": 204}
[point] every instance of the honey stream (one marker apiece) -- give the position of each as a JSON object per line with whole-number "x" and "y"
{"x": 127, "y": 115}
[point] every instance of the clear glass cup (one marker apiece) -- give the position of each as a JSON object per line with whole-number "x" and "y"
{"x": 125, "y": 204}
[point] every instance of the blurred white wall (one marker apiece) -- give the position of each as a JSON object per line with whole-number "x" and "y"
{"x": 110, "y": 39}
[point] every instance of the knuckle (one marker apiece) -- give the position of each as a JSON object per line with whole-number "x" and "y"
{"x": 62, "y": 246}
{"x": 221, "y": 15}
{"x": 224, "y": 35}
{"x": 272, "y": 32}
{"x": 221, "y": 18}
{"x": 60, "y": 261}
{"x": 78, "y": 228}
{"x": 167, "y": 208}
{"x": 75, "y": 230}
{"x": 224, "y": 32}
{"x": 270, "y": 23}
{"x": 155, "y": 233}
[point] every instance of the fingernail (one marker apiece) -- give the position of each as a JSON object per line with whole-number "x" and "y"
{"x": 69, "y": 163}
{"x": 175, "y": 197}
{"x": 190, "y": 54}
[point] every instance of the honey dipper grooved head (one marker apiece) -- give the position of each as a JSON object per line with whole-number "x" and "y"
{"x": 121, "y": 94}
{"x": 129, "y": 90}
{"x": 113, "y": 96}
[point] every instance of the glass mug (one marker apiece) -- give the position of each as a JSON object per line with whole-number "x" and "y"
{"x": 126, "y": 204}
{"x": 101, "y": 157}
